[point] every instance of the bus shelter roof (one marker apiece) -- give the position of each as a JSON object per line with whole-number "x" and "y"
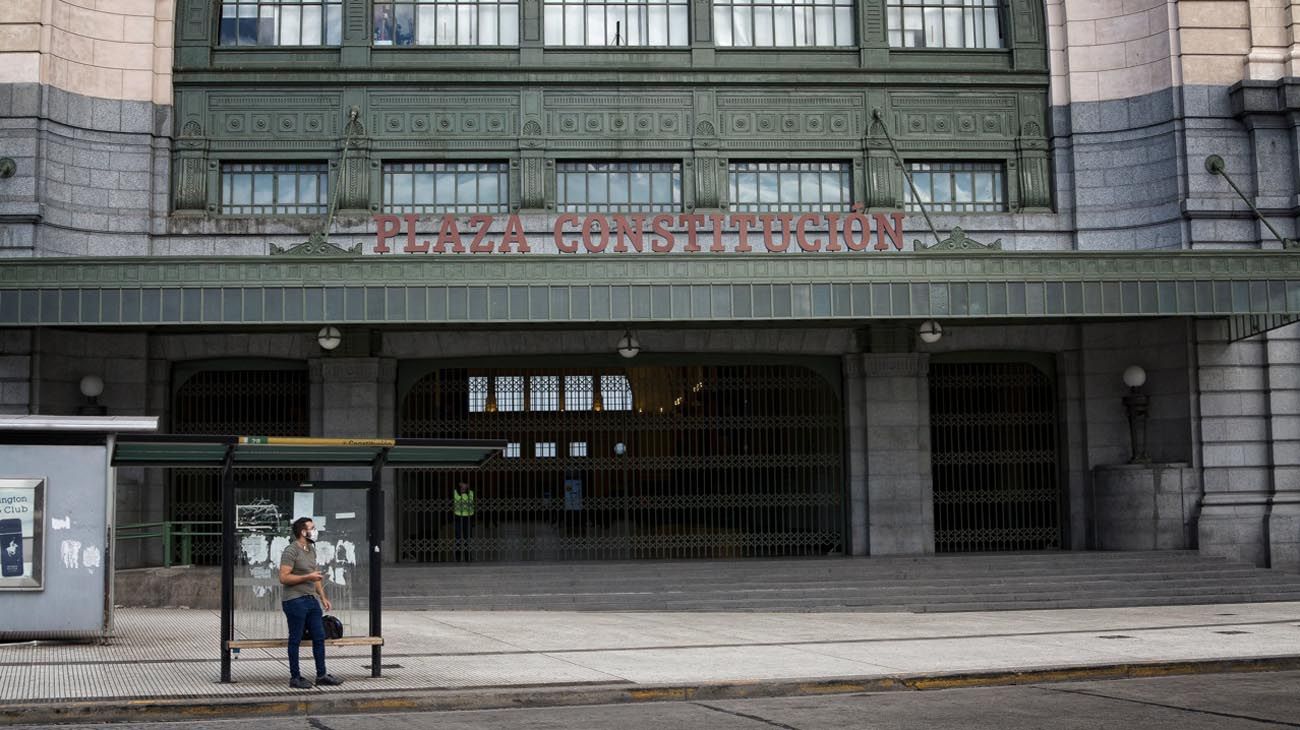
{"x": 281, "y": 451}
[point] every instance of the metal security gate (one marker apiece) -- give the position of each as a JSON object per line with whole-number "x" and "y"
{"x": 994, "y": 457}
{"x": 230, "y": 402}
{"x": 710, "y": 461}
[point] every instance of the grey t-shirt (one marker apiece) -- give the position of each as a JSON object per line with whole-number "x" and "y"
{"x": 300, "y": 562}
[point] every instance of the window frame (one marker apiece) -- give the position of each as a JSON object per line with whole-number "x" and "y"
{"x": 606, "y": 5}
{"x": 1003, "y": 167}
{"x": 505, "y": 180}
{"x": 373, "y": 8}
{"x": 1000, "y": 12}
{"x": 756, "y": 206}
{"x": 220, "y": 8}
{"x": 562, "y": 204}
{"x": 811, "y": 5}
{"x": 323, "y": 169}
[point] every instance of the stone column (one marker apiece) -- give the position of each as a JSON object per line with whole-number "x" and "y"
{"x": 1283, "y": 352}
{"x": 855, "y": 408}
{"x": 1235, "y": 452}
{"x": 353, "y": 396}
{"x": 1270, "y": 39}
{"x": 900, "y": 493}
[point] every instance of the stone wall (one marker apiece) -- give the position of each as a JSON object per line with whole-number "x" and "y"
{"x": 88, "y": 84}
{"x": 101, "y": 49}
{"x": 1249, "y": 411}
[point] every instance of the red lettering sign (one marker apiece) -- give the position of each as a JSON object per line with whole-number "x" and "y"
{"x": 661, "y": 233}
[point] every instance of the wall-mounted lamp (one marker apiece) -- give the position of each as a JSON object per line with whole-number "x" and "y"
{"x": 91, "y": 388}
{"x": 329, "y": 338}
{"x": 628, "y": 346}
{"x": 930, "y": 331}
{"x": 1137, "y": 405}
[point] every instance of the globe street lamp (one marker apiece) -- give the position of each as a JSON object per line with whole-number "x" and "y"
{"x": 1137, "y": 405}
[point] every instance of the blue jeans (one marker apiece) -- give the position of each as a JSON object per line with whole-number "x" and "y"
{"x": 304, "y": 611}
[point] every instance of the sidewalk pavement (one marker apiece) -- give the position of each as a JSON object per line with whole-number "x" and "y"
{"x": 165, "y": 661}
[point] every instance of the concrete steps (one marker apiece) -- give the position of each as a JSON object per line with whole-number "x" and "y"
{"x": 935, "y": 583}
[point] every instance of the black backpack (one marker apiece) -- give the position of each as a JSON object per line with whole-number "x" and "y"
{"x": 333, "y": 628}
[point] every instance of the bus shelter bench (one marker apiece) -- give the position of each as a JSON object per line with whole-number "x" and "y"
{"x": 284, "y": 643}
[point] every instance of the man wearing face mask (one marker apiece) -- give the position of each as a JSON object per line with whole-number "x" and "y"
{"x": 303, "y": 585}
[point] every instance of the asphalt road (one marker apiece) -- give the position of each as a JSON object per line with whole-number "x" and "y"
{"x": 1223, "y": 701}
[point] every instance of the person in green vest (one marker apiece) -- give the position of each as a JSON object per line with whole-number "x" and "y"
{"x": 462, "y": 510}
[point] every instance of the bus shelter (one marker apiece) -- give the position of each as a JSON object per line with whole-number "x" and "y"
{"x": 255, "y": 518}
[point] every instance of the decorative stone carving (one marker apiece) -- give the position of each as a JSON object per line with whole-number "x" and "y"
{"x": 957, "y": 241}
{"x": 354, "y": 191}
{"x": 880, "y": 172}
{"x": 316, "y": 246}
{"x": 191, "y": 183}
{"x": 1035, "y": 192}
{"x": 533, "y": 194}
{"x": 532, "y": 128}
{"x": 706, "y": 185}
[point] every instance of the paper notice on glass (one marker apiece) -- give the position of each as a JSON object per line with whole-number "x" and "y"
{"x": 304, "y": 504}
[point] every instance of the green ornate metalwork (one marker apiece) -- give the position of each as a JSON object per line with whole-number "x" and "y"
{"x": 669, "y": 288}
{"x": 957, "y": 241}
{"x": 534, "y": 105}
{"x": 316, "y": 245}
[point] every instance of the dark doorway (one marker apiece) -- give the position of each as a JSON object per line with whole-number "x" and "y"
{"x": 995, "y": 457}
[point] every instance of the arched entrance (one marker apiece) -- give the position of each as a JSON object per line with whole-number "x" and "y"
{"x": 716, "y": 461}
{"x": 995, "y": 456}
{"x": 270, "y": 398}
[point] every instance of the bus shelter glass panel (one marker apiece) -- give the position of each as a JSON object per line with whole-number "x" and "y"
{"x": 264, "y": 516}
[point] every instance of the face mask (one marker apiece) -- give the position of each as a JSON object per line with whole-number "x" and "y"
{"x": 311, "y": 535}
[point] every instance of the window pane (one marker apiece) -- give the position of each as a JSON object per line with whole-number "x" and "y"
{"x": 333, "y": 25}
{"x": 618, "y": 186}
{"x": 784, "y": 23}
{"x": 441, "y": 187}
{"x": 282, "y": 23}
{"x": 785, "y": 186}
{"x": 958, "y": 186}
{"x": 404, "y": 25}
{"x": 273, "y": 189}
{"x": 610, "y": 22}
{"x": 577, "y": 392}
{"x": 266, "y": 27}
{"x": 229, "y": 25}
{"x": 384, "y": 25}
{"x": 943, "y": 23}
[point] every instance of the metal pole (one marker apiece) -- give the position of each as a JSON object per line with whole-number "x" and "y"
{"x": 227, "y": 567}
{"x": 1215, "y": 166}
{"x": 916, "y": 195}
{"x": 375, "y": 508}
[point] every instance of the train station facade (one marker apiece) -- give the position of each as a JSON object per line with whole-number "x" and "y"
{"x": 732, "y": 279}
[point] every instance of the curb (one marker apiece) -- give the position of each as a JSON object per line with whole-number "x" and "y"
{"x": 433, "y": 700}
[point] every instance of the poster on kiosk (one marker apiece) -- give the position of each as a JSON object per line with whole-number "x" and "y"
{"x": 21, "y": 502}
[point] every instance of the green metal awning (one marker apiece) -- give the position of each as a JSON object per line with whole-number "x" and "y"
{"x": 264, "y": 451}
{"x": 463, "y": 290}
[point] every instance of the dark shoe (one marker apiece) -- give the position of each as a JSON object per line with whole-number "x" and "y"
{"x": 301, "y": 683}
{"x": 328, "y": 680}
